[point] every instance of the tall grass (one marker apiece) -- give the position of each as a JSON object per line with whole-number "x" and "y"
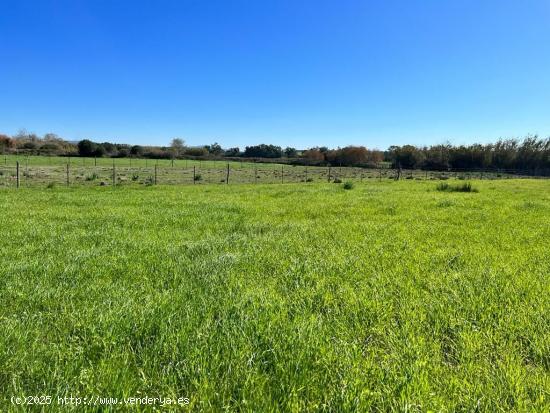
{"x": 461, "y": 187}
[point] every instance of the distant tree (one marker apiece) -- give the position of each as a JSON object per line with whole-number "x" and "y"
{"x": 6, "y": 143}
{"x": 196, "y": 151}
{"x": 290, "y": 152}
{"x": 109, "y": 148}
{"x": 214, "y": 149}
{"x": 348, "y": 156}
{"x": 86, "y": 147}
{"x": 51, "y": 137}
{"x": 263, "y": 151}
{"x": 232, "y": 152}
{"x": 177, "y": 147}
{"x": 136, "y": 150}
{"x": 406, "y": 156}
{"x": 99, "y": 151}
{"x": 436, "y": 157}
{"x": 314, "y": 155}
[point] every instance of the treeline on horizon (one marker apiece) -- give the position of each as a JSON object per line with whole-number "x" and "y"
{"x": 530, "y": 153}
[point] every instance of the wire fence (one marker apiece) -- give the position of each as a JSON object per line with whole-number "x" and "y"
{"x": 25, "y": 174}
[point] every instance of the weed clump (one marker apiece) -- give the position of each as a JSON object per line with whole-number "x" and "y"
{"x": 337, "y": 181}
{"x": 464, "y": 187}
{"x": 348, "y": 185}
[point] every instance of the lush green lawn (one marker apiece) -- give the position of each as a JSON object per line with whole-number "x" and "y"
{"x": 390, "y": 296}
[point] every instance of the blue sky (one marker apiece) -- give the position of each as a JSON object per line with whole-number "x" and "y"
{"x": 293, "y": 73}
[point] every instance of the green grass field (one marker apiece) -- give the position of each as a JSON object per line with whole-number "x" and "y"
{"x": 392, "y": 296}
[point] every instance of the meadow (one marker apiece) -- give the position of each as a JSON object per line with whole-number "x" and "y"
{"x": 44, "y": 171}
{"x": 391, "y": 296}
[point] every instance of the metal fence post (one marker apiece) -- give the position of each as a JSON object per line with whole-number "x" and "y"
{"x": 155, "y": 174}
{"x": 17, "y": 173}
{"x": 114, "y": 173}
{"x": 67, "y": 174}
{"x": 329, "y": 173}
{"x": 194, "y": 174}
{"x": 227, "y": 177}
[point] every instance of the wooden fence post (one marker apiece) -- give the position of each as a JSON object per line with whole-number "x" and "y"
{"x": 114, "y": 173}
{"x": 227, "y": 177}
{"x": 155, "y": 174}
{"x": 306, "y": 173}
{"x": 194, "y": 169}
{"x": 282, "y": 174}
{"x": 17, "y": 173}
{"x": 68, "y": 183}
{"x": 329, "y": 173}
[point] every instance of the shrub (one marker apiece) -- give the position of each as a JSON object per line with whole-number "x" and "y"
{"x": 92, "y": 177}
{"x": 464, "y": 187}
{"x": 51, "y": 185}
{"x": 337, "y": 181}
{"x": 135, "y": 177}
{"x": 198, "y": 177}
{"x": 348, "y": 185}
{"x": 309, "y": 180}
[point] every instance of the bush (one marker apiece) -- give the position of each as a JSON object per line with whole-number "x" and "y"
{"x": 92, "y": 177}
{"x": 337, "y": 181}
{"x": 51, "y": 185}
{"x": 348, "y": 185}
{"x": 198, "y": 177}
{"x": 309, "y": 180}
{"x": 464, "y": 187}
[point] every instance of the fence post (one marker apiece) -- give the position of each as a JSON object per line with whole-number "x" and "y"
{"x": 227, "y": 177}
{"x": 172, "y": 162}
{"x": 17, "y": 173}
{"x": 68, "y": 175}
{"x": 194, "y": 168}
{"x": 114, "y": 173}
{"x": 282, "y": 174}
{"x": 95, "y": 161}
{"x": 306, "y": 173}
{"x": 155, "y": 174}
{"x": 329, "y": 173}
{"x": 255, "y": 172}
{"x": 380, "y": 174}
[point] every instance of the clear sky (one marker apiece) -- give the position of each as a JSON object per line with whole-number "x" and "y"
{"x": 290, "y": 72}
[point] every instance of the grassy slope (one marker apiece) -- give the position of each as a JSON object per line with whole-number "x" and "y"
{"x": 389, "y": 296}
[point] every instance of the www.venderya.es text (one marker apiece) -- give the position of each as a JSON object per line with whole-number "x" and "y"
{"x": 99, "y": 400}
